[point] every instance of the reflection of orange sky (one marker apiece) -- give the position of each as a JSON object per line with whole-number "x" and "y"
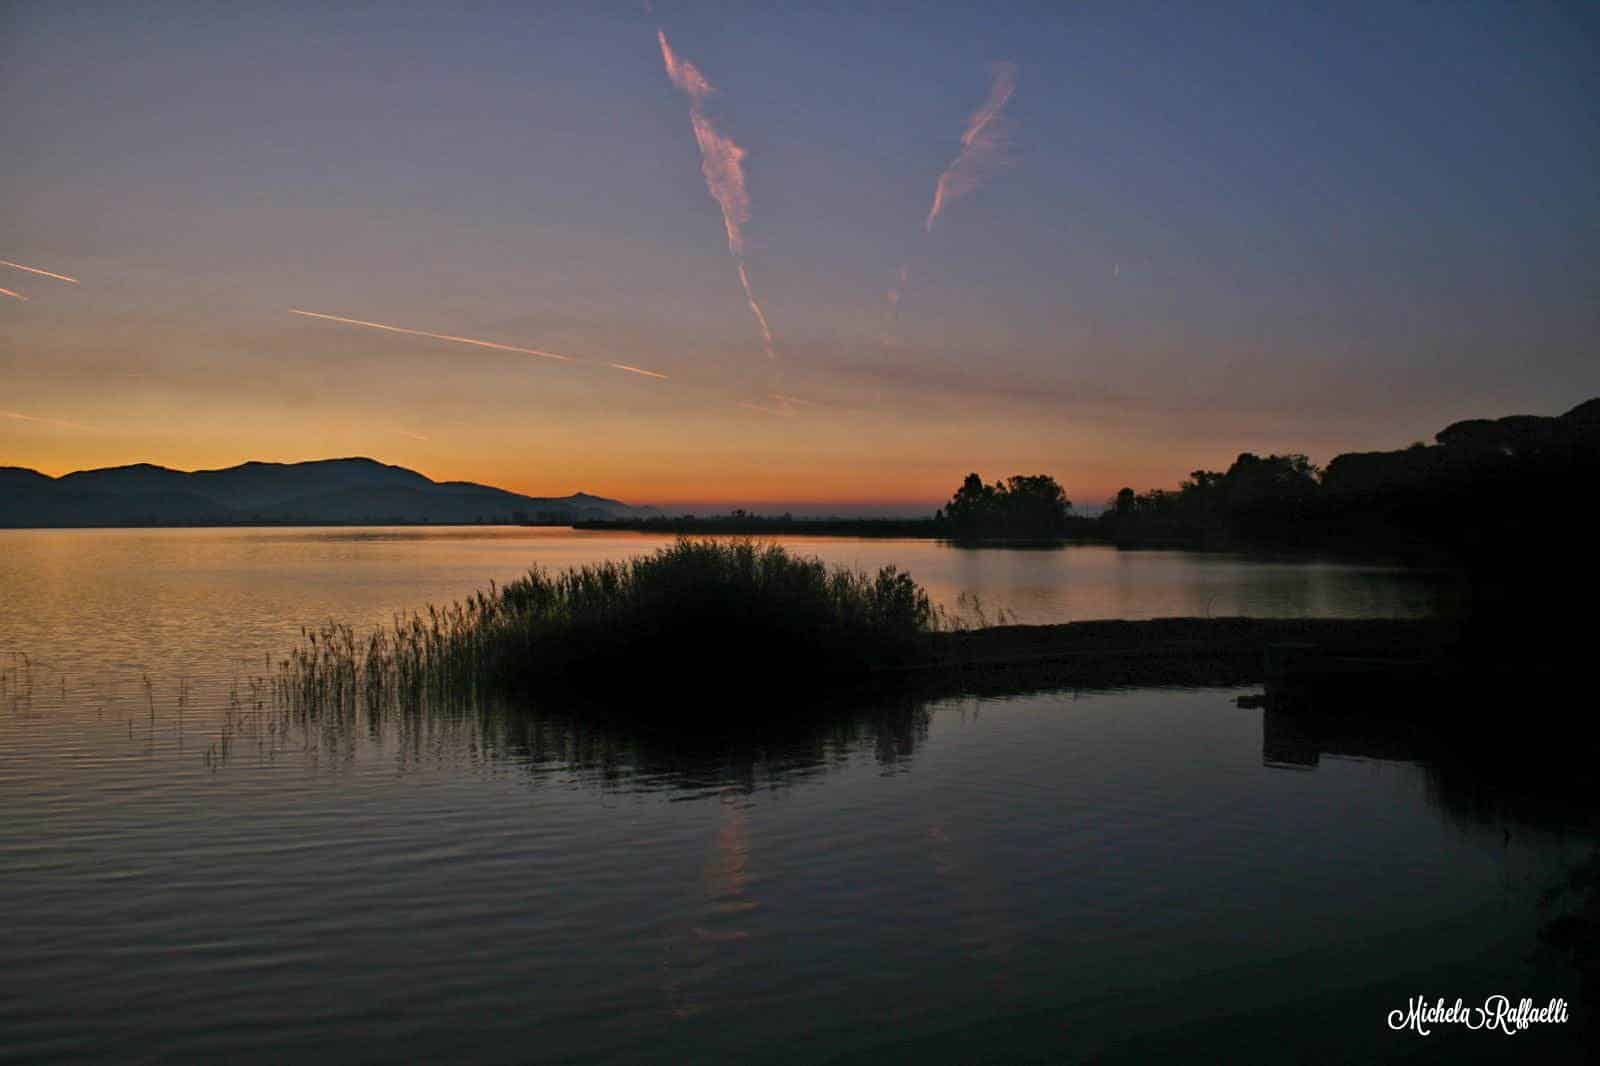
{"x": 725, "y": 874}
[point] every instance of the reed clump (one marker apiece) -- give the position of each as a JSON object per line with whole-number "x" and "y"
{"x": 699, "y": 620}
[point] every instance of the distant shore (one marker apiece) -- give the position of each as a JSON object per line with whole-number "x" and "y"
{"x": 294, "y": 523}
{"x": 770, "y": 525}
{"x": 1079, "y": 529}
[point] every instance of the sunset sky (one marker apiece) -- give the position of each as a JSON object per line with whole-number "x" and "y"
{"x": 1164, "y": 240}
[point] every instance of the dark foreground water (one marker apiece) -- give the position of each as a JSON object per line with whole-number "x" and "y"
{"x": 186, "y": 874}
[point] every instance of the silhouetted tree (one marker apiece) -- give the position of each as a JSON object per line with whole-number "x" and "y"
{"x": 1277, "y": 478}
{"x": 971, "y": 508}
{"x": 1257, "y": 498}
{"x": 1023, "y": 506}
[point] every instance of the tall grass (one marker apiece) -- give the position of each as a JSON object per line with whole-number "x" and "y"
{"x": 699, "y": 620}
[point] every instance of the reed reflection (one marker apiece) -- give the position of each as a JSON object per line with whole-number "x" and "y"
{"x": 611, "y": 745}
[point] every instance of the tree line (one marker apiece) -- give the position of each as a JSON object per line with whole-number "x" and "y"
{"x": 1483, "y": 485}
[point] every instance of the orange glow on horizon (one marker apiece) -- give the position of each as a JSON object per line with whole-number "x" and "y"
{"x": 764, "y": 486}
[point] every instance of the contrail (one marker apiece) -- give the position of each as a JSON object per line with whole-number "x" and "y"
{"x": 436, "y": 336}
{"x": 983, "y": 148}
{"x": 14, "y": 295}
{"x": 983, "y": 145}
{"x": 767, "y": 344}
{"x": 786, "y": 408}
{"x": 41, "y": 273}
{"x": 636, "y": 370}
{"x": 19, "y": 416}
{"x": 684, "y": 75}
{"x": 722, "y": 164}
{"x": 780, "y": 412}
{"x": 408, "y": 433}
{"x": 496, "y": 345}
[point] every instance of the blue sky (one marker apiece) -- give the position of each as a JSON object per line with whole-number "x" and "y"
{"x": 1257, "y": 226}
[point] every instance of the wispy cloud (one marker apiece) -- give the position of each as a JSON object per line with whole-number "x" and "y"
{"x": 20, "y": 417}
{"x": 496, "y": 345}
{"x": 781, "y": 412}
{"x": 41, "y": 273}
{"x": 783, "y": 405}
{"x": 684, "y": 75}
{"x": 13, "y": 295}
{"x": 722, "y": 164}
{"x": 889, "y": 338}
{"x": 902, "y": 276}
{"x": 983, "y": 146}
{"x": 929, "y": 378}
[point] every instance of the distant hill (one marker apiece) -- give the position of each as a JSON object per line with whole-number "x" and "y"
{"x": 327, "y": 491}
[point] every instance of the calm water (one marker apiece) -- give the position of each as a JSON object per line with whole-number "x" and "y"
{"x": 186, "y": 874}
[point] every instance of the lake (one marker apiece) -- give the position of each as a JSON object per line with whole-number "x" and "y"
{"x": 188, "y": 874}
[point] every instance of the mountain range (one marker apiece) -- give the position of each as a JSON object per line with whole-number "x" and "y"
{"x": 327, "y": 491}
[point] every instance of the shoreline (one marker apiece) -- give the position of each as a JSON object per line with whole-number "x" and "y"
{"x": 1176, "y": 652}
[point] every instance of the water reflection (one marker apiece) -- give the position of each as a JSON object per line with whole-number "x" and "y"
{"x": 771, "y": 744}
{"x": 1544, "y": 787}
{"x": 954, "y": 870}
{"x": 1544, "y": 792}
{"x": 610, "y": 746}
{"x": 567, "y": 877}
